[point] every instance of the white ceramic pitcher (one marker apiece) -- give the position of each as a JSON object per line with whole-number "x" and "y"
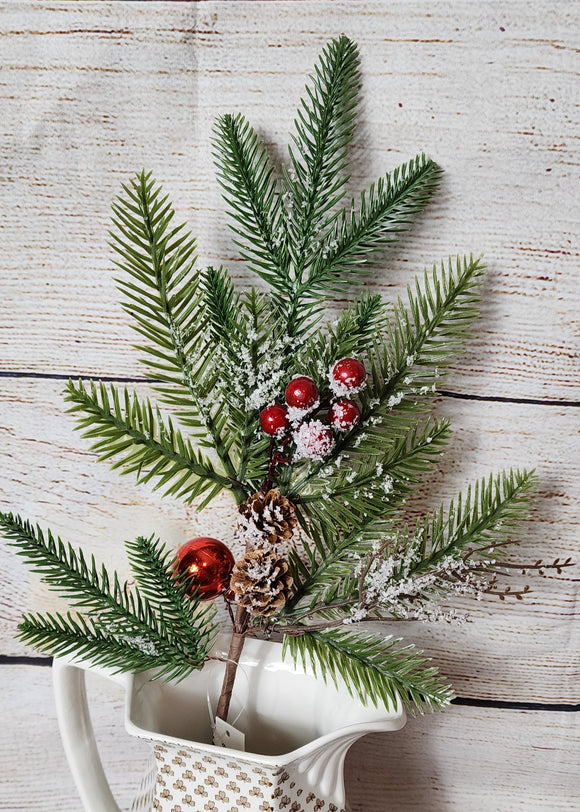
{"x": 297, "y": 733}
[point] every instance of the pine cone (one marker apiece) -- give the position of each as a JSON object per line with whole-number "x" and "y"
{"x": 261, "y": 582}
{"x": 267, "y": 517}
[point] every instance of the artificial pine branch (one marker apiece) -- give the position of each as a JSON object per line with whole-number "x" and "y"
{"x": 346, "y": 495}
{"x": 247, "y": 179}
{"x": 225, "y": 361}
{"x": 324, "y": 128}
{"x": 449, "y": 552}
{"x": 121, "y": 626}
{"x": 437, "y": 323}
{"x": 140, "y": 441}
{"x": 373, "y": 668}
{"x": 384, "y": 212}
{"x": 153, "y": 567}
{"x": 479, "y": 523}
{"x": 224, "y": 308}
{"x": 352, "y": 333}
{"x": 81, "y": 638}
{"x": 162, "y": 295}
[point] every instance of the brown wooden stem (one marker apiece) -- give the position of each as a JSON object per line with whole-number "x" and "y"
{"x": 236, "y": 646}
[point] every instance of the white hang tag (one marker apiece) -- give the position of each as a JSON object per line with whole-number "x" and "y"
{"x": 225, "y": 735}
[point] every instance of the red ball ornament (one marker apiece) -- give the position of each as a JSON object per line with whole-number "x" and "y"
{"x": 343, "y": 414}
{"x": 301, "y": 393}
{"x": 347, "y": 375}
{"x": 274, "y": 420}
{"x": 209, "y": 564}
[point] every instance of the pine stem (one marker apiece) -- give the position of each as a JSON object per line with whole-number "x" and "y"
{"x": 236, "y": 646}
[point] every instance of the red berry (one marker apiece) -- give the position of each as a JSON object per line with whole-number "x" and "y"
{"x": 343, "y": 414}
{"x": 313, "y": 441}
{"x": 301, "y": 393}
{"x": 347, "y": 375}
{"x": 208, "y": 563}
{"x": 274, "y": 420}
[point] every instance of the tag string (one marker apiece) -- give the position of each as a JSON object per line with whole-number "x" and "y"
{"x": 212, "y": 716}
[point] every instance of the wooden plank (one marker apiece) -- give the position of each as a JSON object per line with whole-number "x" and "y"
{"x": 523, "y": 651}
{"x": 34, "y": 774}
{"x": 92, "y": 92}
{"x": 465, "y": 758}
{"x": 469, "y": 758}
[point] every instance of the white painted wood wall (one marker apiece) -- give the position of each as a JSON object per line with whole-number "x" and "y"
{"x": 91, "y": 92}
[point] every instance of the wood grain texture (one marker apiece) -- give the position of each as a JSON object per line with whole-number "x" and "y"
{"x": 34, "y": 773}
{"x": 515, "y": 651}
{"x": 488, "y": 761}
{"x": 92, "y": 92}
{"x": 465, "y": 759}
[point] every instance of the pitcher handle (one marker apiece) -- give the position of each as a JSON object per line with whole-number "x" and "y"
{"x": 77, "y": 734}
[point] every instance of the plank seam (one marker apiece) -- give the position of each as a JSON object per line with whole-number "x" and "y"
{"x": 498, "y": 704}
{"x": 501, "y": 399}
{"x": 464, "y": 701}
{"x": 446, "y": 393}
{"x": 6, "y": 659}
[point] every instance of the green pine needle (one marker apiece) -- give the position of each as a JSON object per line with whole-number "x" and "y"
{"x": 373, "y": 668}
{"x": 348, "y": 494}
{"x": 384, "y": 212}
{"x": 478, "y": 526}
{"x": 355, "y": 329}
{"x": 250, "y": 190}
{"x": 482, "y": 522}
{"x": 223, "y": 306}
{"x": 319, "y": 160}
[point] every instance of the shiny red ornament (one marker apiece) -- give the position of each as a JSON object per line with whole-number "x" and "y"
{"x": 343, "y": 414}
{"x": 209, "y": 564}
{"x": 347, "y": 375}
{"x": 301, "y": 393}
{"x": 274, "y": 420}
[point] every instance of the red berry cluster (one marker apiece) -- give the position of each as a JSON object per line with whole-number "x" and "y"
{"x": 314, "y": 438}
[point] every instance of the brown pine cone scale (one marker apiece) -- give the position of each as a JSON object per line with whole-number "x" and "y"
{"x": 261, "y": 582}
{"x": 267, "y": 517}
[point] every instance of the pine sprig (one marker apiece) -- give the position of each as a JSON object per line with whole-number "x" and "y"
{"x": 162, "y": 294}
{"x": 450, "y": 551}
{"x": 247, "y": 178}
{"x": 328, "y": 563}
{"x": 135, "y": 438}
{"x": 66, "y": 570}
{"x": 80, "y": 637}
{"x": 121, "y": 627}
{"x": 348, "y": 494}
{"x": 324, "y": 129}
{"x": 373, "y": 668}
{"x": 479, "y": 523}
{"x": 429, "y": 334}
{"x": 153, "y": 565}
{"x": 223, "y": 307}
{"x": 384, "y": 212}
